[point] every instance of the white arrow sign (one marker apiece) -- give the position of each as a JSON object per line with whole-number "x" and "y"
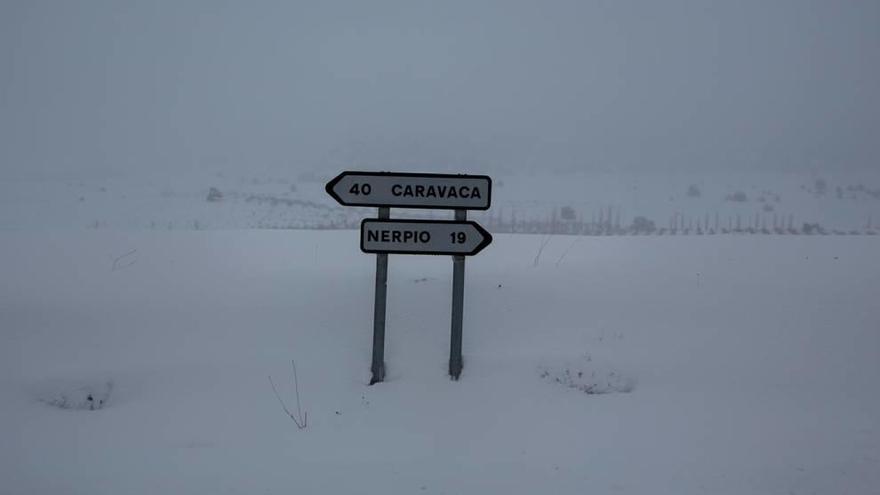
{"x": 407, "y": 190}
{"x": 423, "y": 237}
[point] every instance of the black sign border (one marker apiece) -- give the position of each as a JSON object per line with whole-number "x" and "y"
{"x": 329, "y": 188}
{"x": 487, "y": 237}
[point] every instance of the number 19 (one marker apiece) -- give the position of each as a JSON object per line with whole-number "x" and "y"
{"x": 458, "y": 237}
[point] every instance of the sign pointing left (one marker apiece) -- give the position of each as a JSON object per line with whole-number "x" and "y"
{"x": 410, "y": 190}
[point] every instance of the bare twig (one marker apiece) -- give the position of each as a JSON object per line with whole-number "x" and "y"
{"x": 300, "y": 419}
{"x": 280, "y": 400}
{"x": 541, "y": 249}
{"x": 296, "y": 391}
{"x": 565, "y": 253}
{"x": 117, "y": 262}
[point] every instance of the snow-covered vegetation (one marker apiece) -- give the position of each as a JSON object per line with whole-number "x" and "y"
{"x": 575, "y": 203}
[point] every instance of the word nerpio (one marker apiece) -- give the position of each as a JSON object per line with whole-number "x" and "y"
{"x": 412, "y": 236}
{"x": 419, "y": 191}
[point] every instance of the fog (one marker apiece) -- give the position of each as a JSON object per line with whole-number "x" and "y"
{"x": 111, "y": 88}
{"x": 656, "y": 272}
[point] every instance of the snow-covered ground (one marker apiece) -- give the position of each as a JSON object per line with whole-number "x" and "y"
{"x": 722, "y": 365}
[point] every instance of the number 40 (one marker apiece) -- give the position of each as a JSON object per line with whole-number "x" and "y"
{"x": 364, "y": 189}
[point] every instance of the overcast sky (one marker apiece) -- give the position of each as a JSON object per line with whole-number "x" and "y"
{"x": 112, "y": 87}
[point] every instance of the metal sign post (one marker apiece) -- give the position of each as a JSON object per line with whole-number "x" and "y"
{"x": 455, "y": 359}
{"x": 378, "y": 366}
{"x": 383, "y": 236}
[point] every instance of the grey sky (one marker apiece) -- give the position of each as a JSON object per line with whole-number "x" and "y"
{"x": 92, "y": 87}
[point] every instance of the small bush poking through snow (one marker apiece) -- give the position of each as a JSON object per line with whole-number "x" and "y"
{"x": 738, "y": 197}
{"x": 589, "y": 378}
{"x": 84, "y": 398}
{"x": 642, "y": 225}
{"x": 214, "y": 195}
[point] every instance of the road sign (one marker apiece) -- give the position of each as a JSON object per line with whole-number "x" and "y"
{"x": 408, "y": 190}
{"x": 423, "y": 237}
{"x": 383, "y": 236}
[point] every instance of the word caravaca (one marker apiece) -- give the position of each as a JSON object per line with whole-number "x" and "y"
{"x": 430, "y": 191}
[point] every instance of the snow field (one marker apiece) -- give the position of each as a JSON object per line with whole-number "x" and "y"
{"x": 752, "y": 364}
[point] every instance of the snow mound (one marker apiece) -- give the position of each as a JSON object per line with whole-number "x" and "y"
{"x": 588, "y": 376}
{"x": 76, "y": 395}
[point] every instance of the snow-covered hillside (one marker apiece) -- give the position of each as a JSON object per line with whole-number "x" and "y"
{"x": 634, "y": 365}
{"x": 843, "y": 202}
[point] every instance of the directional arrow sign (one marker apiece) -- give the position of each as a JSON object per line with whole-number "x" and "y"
{"x": 405, "y": 190}
{"x": 423, "y": 237}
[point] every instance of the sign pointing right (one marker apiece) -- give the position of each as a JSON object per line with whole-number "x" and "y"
{"x": 423, "y": 237}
